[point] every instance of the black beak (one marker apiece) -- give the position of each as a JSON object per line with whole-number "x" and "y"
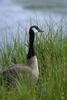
{"x": 39, "y": 30}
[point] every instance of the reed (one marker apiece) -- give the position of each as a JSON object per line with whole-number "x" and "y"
{"x": 51, "y": 51}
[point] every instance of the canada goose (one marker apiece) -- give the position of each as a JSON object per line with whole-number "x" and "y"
{"x": 32, "y": 63}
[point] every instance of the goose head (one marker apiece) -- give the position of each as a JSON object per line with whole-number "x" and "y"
{"x": 34, "y": 29}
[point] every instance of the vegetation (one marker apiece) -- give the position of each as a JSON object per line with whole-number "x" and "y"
{"x": 51, "y": 51}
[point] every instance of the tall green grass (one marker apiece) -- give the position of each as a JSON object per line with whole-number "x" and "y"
{"x": 51, "y": 51}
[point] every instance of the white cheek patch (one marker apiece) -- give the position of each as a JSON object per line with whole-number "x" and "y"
{"x": 35, "y": 30}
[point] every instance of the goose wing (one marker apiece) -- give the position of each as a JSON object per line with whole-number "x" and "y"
{"x": 16, "y": 68}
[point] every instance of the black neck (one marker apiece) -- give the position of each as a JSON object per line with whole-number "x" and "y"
{"x": 31, "y": 51}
